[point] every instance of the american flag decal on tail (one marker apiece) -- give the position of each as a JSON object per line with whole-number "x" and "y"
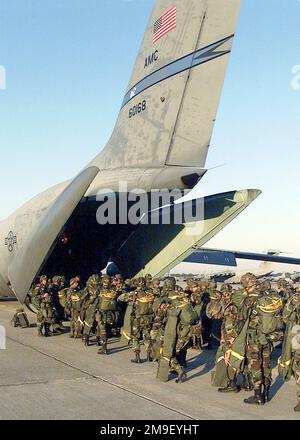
{"x": 164, "y": 24}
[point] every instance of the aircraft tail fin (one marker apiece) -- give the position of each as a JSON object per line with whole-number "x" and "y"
{"x": 169, "y": 109}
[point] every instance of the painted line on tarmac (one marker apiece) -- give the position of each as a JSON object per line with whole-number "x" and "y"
{"x": 103, "y": 380}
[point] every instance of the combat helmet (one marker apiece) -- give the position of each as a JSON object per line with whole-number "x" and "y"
{"x": 204, "y": 284}
{"x": 282, "y": 283}
{"x": 73, "y": 281}
{"x": 141, "y": 282}
{"x": 169, "y": 283}
{"x": 93, "y": 281}
{"x": 265, "y": 285}
{"x": 43, "y": 278}
{"x": 56, "y": 279}
{"x": 226, "y": 289}
{"x": 248, "y": 280}
{"x": 156, "y": 281}
{"x": 213, "y": 284}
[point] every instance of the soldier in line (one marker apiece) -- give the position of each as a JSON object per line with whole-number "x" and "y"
{"x": 49, "y": 314}
{"x": 74, "y": 298}
{"x": 107, "y": 313}
{"x": 177, "y": 332}
{"x": 289, "y": 362}
{"x": 89, "y": 309}
{"x": 198, "y": 300}
{"x": 54, "y": 287}
{"x": 140, "y": 303}
{"x": 167, "y": 319}
{"x": 37, "y": 292}
{"x": 226, "y": 306}
{"x": 261, "y": 309}
{"x": 63, "y": 301}
{"x": 284, "y": 289}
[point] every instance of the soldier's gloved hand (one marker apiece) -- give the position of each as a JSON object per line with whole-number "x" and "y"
{"x": 230, "y": 340}
{"x": 227, "y": 357}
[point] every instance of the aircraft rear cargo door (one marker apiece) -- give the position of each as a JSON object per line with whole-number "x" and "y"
{"x": 157, "y": 248}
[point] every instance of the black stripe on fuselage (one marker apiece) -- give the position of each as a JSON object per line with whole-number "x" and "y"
{"x": 180, "y": 65}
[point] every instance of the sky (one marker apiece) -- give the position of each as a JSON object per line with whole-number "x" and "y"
{"x": 67, "y": 66}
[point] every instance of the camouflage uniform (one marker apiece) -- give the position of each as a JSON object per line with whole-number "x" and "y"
{"x": 157, "y": 330}
{"x": 141, "y": 319}
{"x": 207, "y": 289}
{"x": 284, "y": 289}
{"x": 36, "y": 299}
{"x": 90, "y": 302}
{"x": 200, "y": 298}
{"x": 73, "y": 305}
{"x": 49, "y": 314}
{"x": 107, "y": 313}
{"x": 259, "y": 344}
{"x": 63, "y": 297}
{"x": 178, "y": 332}
{"x": 226, "y": 305}
{"x": 148, "y": 280}
{"x": 119, "y": 286}
{"x": 291, "y": 317}
{"x": 159, "y": 308}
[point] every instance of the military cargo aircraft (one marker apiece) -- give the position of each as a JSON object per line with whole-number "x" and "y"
{"x": 160, "y": 140}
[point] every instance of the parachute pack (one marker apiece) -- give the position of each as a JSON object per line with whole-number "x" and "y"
{"x": 269, "y": 308}
{"x": 20, "y": 319}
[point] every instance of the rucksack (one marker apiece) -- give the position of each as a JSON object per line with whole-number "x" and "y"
{"x": 269, "y": 307}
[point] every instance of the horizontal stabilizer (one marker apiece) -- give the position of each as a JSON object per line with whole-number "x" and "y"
{"x": 219, "y": 258}
{"x": 228, "y": 258}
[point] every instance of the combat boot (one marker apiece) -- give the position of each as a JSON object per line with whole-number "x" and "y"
{"x": 103, "y": 349}
{"x": 86, "y": 340}
{"x": 181, "y": 376}
{"x": 297, "y": 407}
{"x": 149, "y": 358}
{"x": 267, "y": 393}
{"x": 257, "y": 399}
{"x": 54, "y": 333}
{"x": 98, "y": 341}
{"x": 209, "y": 346}
{"x": 231, "y": 388}
{"x": 182, "y": 358}
{"x": 46, "y": 330}
{"x": 71, "y": 335}
{"x": 137, "y": 359}
{"x": 247, "y": 383}
{"x": 197, "y": 344}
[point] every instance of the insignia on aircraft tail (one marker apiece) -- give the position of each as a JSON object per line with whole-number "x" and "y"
{"x": 164, "y": 24}
{"x": 10, "y": 241}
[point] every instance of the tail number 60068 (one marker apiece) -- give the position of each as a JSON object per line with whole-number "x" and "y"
{"x": 136, "y": 109}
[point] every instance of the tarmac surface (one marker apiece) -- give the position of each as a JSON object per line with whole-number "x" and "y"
{"x": 58, "y": 378}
